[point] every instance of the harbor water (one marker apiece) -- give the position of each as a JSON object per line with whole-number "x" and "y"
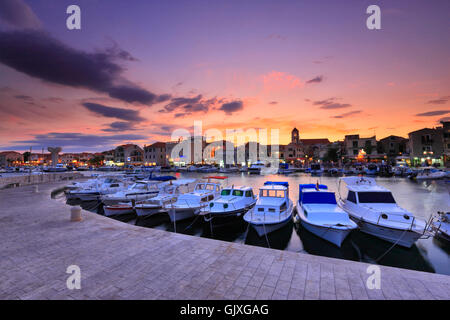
{"x": 421, "y": 198}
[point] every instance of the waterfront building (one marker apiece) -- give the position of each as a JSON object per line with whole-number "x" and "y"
{"x": 128, "y": 154}
{"x": 294, "y": 151}
{"x": 10, "y": 158}
{"x": 156, "y": 154}
{"x": 315, "y": 148}
{"x": 354, "y": 146}
{"x": 426, "y": 146}
{"x": 394, "y": 147}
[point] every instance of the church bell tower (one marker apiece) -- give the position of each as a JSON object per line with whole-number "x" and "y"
{"x": 295, "y": 137}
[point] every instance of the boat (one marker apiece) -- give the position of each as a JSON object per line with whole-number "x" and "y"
{"x": 335, "y": 172}
{"x": 95, "y": 191}
{"x": 402, "y": 171}
{"x": 140, "y": 190}
{"x": 228, "y": 169}
{"x": 285, "y": 169}
{"x": 273, "y": 208}
{"x": 90, "y": 187}
{"x": 349, "y": 171}
{"x": 168, "y": 194}
{"x": 385, "y": 170}
{"x": 441, "y": 227}
{"x": 319, "y": 213}
{"x": 256, "y": 167}
{"x": 233, "y": 203}
{"x": 316, "y": 169}
{"x": 118, "y": 209}
{"x": 371, "y": 169}
{"x": 207, "y": 169}
{"x": 430, "y": 173}
{"x": 58, "y": 168}
{"x": 374, "y": 209}
{"x": 189, "y": 204}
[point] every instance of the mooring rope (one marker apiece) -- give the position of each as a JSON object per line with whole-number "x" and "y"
{"x": 395, "y": 243}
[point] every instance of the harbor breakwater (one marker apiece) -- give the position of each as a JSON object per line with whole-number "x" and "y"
{"x": 12, "y": 181}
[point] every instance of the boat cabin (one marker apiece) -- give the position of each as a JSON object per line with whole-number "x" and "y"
{"x": 273, "y": 198}
{"x": 237, "y": 192}
{"x": 365, "y": 190}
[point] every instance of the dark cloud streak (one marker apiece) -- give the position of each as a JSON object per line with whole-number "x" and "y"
{"x": 112, "y": 112}
{"x": 38, "y": 55}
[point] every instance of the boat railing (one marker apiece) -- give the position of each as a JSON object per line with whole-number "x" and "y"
{"x": 410, "y": 224}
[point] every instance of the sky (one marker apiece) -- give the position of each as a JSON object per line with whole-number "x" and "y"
{"x": 138, "y": 70}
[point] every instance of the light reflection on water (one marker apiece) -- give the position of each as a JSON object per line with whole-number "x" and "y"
{"x": 421, "y": 198}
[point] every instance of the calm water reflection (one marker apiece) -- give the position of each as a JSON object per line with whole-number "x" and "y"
{"x": 422, "y": 199}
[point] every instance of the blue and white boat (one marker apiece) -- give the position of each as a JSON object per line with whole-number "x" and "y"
{"x": 319, "y": 213}
{"x": 273, "y": 208}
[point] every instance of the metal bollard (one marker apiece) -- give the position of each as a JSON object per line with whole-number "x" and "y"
{"x": 75, "y": 214}
{"x": 36, "y": 189}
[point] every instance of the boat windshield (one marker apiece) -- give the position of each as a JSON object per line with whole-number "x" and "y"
{"x": 375, "y": 197}
{"x": 238, "y": 193}
{"x": 225, "y": 192}
{"x": 272, "y": 193}
{"x": 318, "y": 197}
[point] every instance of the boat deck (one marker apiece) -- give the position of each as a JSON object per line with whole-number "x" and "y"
{"x": 122, "y": 261}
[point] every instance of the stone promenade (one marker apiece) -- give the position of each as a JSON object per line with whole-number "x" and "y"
{"x": 122, "y": 261}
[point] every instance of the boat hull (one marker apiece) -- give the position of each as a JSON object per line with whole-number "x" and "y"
{"x": 263, "y": 229}
{"x": 404, "y": 238}
{"x": 89, "y": 196}
{"x": 221, "y": 219}
{"x": 335, "y": 236}
{"x": 110, "y": 211}
{"x": 182, "y": 214}
{"x": 109, "y": 201}
{"x": 148, "y": 211}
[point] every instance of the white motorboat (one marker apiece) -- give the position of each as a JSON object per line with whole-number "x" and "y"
{"x": 168, "y": 194}
{"x": 58, "y": 168}
{"x": 319, "y": 213}
{"x": 74, "y": 190}
{"x": 140, "y": 190}
{"x": 285, "y": 169}
{"x": 189, "y": 204}
{"x": 375, "y": 211}
{"x": 228, "y": 169}
{"x": 273, "y": 208}
{"x": 442, "y": 226}
{"x": 402, "y": 171}
{"x": 430, "y": 173}
{"x": 207, "y": 169}
{"x": 233, "y": 203}
{"x": 94, "y": 192}
{"x": 256, "y": 167}
{"x": 118, "y": 209}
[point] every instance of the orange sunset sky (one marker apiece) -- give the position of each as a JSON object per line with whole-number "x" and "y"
{"x": 135, "y": 72}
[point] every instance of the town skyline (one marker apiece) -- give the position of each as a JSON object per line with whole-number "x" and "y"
{"x": 232, "y": 65}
